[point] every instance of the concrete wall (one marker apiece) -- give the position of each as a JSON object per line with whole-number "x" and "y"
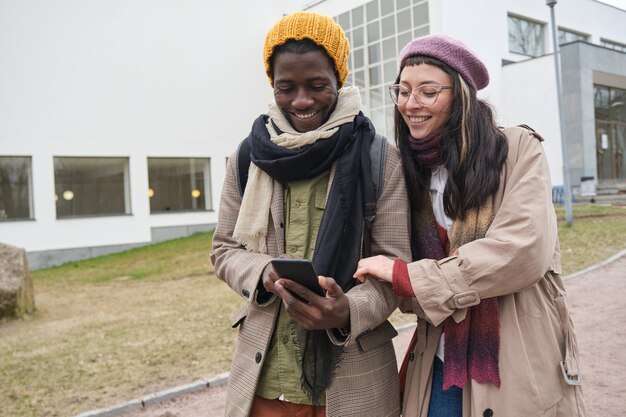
{"x": 583, "y": 66}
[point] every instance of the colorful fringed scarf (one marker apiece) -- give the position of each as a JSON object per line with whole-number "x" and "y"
{"x": 472, "y": 345}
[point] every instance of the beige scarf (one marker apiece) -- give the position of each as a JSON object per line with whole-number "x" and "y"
{"x": 251, "y": 227}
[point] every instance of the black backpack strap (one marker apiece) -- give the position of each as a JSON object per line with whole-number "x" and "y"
{"x": 243, "y": 165}
{"x": 378, "y": 149}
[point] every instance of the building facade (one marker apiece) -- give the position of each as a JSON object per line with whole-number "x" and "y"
{"x": 117, "y": 118}
{"x": 514, "y": 39}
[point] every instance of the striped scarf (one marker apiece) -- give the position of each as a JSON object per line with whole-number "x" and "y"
{"x": 472, "y": 345}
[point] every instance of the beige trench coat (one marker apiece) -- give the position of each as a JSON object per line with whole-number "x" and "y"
{"x": 518, "y": 261}
{"x": 366, "y": 383}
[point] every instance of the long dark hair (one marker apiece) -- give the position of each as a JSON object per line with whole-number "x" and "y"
{"x": 473, "y": 149}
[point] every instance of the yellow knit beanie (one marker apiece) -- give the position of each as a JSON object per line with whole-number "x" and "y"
{"x": 322, "y": 30}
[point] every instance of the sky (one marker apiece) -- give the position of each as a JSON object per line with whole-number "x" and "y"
{"x": 617, "y": 3}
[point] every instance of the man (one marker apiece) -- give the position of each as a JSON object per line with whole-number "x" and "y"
{"x": 299, "y": 353}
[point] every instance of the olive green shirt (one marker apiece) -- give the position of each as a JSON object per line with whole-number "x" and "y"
{"x": 305, "y": 202}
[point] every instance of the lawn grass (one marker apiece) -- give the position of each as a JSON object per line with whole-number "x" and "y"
{"x": 116, "y": 328}
{"x": 597, "y": 232}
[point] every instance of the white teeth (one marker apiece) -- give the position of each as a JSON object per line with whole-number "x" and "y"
{"x": 419, "y": 119}
{"x": 305, "y": 115}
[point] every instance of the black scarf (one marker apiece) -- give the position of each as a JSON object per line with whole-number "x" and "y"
{"x": 338, "y": 245}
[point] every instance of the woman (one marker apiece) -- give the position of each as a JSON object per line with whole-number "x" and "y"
{"x": 493, "y": 335}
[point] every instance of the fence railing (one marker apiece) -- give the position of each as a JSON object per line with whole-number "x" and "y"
{"x": 558, "y": 194}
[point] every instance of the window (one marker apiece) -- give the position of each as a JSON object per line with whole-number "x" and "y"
{"x": 389, "y": 26}
{"x": 378, "y": 29}
{"x": 16, "y": 197}
{"x": 601, "y": 101}
{"x": 613, "y": 45}
{"x": 420, "y": 14}
{"x": 357, "y": 16}
{"x": 359, "y": 58}
{"x": 391, "y": 71}
{"x": 178, "y": 184}
{"x": 373, "y": 53}
{"x": 358, "y": 37}
{"x": 373, "y": 32}
{"x": 610, "y": 104}
{"x": 610, "y": 115}
{"x": 526, "y": 37}
{"x": 344, "y": 20}
{"x": 91, "y": 186}
{"x": 372, "y": 10}
{"x": 567, "y": 36}
{"x": 404, "y": 20}
{"x": 401, "y": 4}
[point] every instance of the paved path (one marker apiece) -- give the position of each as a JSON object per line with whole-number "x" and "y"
{"x": 596, "y": 299}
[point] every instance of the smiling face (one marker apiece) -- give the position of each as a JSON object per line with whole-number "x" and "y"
{"x": 424, "y": 120}
{"x": 305, "y": 88}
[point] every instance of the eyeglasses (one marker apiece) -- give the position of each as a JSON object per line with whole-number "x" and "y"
{"x": 426, "y": 94}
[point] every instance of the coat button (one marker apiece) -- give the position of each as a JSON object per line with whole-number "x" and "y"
{"x": 258, "y": 357}
{"x": 488, "y": 412}
{"x": 412, "y": 356}
{"x": 245, "y": 293}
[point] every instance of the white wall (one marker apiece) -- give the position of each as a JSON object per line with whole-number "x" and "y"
{"x": 535, "y": 105}
{"x": 131, "y": 78}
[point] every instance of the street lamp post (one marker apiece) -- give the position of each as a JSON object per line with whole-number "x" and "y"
{"x": 567, "y": 191}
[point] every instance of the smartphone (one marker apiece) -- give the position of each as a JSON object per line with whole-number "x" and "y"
{"x": 300, "y": 271}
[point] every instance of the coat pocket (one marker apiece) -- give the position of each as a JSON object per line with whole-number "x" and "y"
{"x": 376, "y": 337}
{"x": 542, "y": 342}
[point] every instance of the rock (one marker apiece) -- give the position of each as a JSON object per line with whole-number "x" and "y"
{"x": 17, "y": 296}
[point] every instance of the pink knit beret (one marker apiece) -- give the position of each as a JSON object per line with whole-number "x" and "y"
{"x": 451, "y": 52}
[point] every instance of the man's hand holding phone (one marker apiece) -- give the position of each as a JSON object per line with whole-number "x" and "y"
{"x": 300, "y": 271}
{"x": 316, "y": 302}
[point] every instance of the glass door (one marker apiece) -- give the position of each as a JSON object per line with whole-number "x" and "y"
{"x": 610, "y": 144}
{"x": 610, "y": 111}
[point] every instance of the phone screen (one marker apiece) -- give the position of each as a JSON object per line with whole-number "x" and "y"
{"x": 300, "y": 271}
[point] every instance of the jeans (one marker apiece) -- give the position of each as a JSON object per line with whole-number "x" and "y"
{"x": 444, "y": 403}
